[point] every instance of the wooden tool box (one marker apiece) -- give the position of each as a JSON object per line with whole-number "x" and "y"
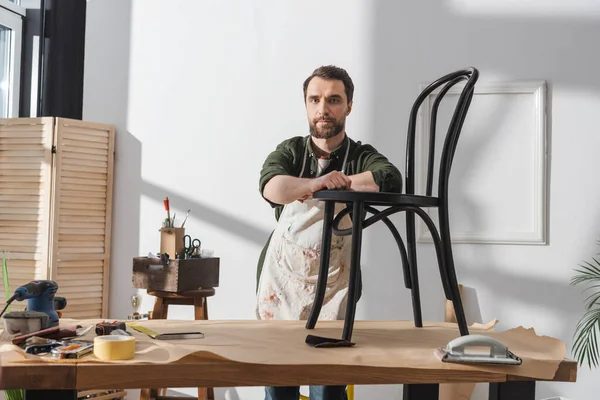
{"x": 177, "y": 276}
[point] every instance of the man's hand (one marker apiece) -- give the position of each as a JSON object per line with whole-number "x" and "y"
{"x": 333, "y": 180}
{"x": 284, "y": 189}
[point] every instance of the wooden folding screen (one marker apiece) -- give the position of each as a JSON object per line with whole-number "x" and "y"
{"x": 56, "y": 178}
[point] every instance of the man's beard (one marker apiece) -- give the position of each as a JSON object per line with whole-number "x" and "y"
{"x": 326, "y": 132}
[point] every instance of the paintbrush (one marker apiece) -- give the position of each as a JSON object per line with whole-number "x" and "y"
{"x": 186, "y": 215}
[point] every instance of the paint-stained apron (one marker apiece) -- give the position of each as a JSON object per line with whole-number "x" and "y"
{"x": 288, "y": 280}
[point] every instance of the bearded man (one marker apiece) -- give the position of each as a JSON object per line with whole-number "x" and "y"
{"x": 326, "y": 159}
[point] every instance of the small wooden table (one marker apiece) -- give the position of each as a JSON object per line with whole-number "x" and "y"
{"x": 249, "y": 341}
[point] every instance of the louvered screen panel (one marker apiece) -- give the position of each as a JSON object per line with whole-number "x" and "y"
{"x": 81, "y": 215}
{"x": 25, "y": 172}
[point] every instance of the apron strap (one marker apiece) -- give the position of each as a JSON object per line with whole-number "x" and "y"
{"x": 306, "y": 153}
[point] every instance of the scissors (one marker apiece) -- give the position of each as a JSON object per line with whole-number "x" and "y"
{"x": 190, "y": 246}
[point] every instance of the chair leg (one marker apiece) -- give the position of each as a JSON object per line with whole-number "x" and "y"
{"x": 357, "y": 219}
{"x": 324, "y": 267}
{"x": 451, "y": 272}
{"x": 412, "y": 265}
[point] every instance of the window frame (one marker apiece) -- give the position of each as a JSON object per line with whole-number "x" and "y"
{"x": 11, "y": 16}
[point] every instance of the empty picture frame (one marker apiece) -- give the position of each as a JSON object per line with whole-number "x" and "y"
{"x": 498, "y": 182}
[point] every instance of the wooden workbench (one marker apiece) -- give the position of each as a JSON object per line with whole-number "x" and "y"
{"x": 270, "y": 353}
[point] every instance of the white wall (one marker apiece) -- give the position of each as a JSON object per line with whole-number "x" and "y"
{"x": 201, "y": 91}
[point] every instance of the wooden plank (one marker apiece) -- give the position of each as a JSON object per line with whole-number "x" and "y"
{"x": 216, "y": 373}
{"x": 25, "y": 154}
{"x": 23, "y": 224}
{"x": 86, "y": 200}
{"x": 5, "y": 146}
{"x": 19, "y": 236}
{"x": 97, "y": 170}
{"x": 80, "y": 277}
{"x": 80, "y": 250}
{"x": 95, "y": 157}
{"x": 23, "y": 178}
{"x": 74, "y": 149}
{"x": 21, "y": 211}
{"x": 84, "y": 300}
{"x": 18, "y": 217}
{"x": 87, "y": 131}
{"x": 84, "y": 138}
{"x": 23, "y": 141}
{"x": 83, "y": 231}
{"x": 94, "y": 308}
{"x": 22, "y": 204}
{"x": 78, "y": 238}
{"x": 75, "y": 264}
{"x": 82, "y": 221}
{"x": 23, "y": 134}
{"x": 84, "y": 175}
{"x": 10, "y": 165}
{"x": 78, "y": 193}
{"x": 38, "y": 376}
{"x": 566, "y": 372}
{"x": 79, "y": 243}
{"x": 84, "y": 295}
{"x": 67, "y": 143}
{"x": 86, "y": 181}
{"x": 84, "y": 161}
{"x": 84, "y": 188}
{"x": 82, "y": 314}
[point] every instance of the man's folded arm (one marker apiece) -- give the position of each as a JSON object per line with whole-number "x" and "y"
{"x": 379, "y": 174}
{"x": 277, "y": 184}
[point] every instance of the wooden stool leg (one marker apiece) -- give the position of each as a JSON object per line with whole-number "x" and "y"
{"x": 160, "y": 311}
{"x": 201, "y": 313}
{"x": 161, "y": 308}
{"x": 199, "y": 306}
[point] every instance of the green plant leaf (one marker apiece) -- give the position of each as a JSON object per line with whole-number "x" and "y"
{"x": 585, "y": 347}
{"x": 587, "y": 273}
{"x": 5, "y": 277}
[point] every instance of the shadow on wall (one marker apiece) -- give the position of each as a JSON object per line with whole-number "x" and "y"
{"x": 209, "y": 214}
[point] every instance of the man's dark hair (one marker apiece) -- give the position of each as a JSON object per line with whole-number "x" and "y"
{"x": 332, "y": 72}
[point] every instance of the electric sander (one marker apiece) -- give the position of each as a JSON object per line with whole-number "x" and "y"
{"x": 41, "y": 308}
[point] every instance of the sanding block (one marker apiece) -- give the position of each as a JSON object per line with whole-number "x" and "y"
{"x": 483, "y": 350}
{"x": 25, "y": 322}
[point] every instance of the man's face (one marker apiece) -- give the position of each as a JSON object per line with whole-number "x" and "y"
{"x": 326, "y": 107}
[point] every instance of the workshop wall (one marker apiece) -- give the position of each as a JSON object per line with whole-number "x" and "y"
{"x": 201, "y": 92}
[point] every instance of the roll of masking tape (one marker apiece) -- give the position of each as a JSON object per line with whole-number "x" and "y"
{"x": 114, "y": 347}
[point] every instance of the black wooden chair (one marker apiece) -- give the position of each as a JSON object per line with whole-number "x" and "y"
{"x": 360, "y": 203}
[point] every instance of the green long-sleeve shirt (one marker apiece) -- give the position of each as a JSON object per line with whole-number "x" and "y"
{"x": 287, "y": 159}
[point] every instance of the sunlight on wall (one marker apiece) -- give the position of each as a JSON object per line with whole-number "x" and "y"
{"x": 532, "y": 8}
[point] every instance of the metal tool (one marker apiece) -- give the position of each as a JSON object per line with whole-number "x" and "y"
{"x": 167, "y": 336}
{"x": 186, "y": 217}
{"x": 191, "y": 247}
{"x": 105, "y": 328}
{"x": 497, "y": 353}
{"x": 41, "y": 307}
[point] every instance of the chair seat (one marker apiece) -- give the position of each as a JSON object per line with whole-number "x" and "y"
{"x": 376, "y": 198}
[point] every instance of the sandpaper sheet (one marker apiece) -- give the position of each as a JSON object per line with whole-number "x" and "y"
{"x": 377, "y": 343}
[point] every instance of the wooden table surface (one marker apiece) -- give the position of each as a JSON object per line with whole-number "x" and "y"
{"x": 192, "y": 371}
{"x": 205, "y": 369}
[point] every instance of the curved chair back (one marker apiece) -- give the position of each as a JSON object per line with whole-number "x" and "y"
{"x": 470, "y": 75}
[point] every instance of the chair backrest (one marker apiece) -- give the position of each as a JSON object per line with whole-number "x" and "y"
{"x": 470, "y": 75}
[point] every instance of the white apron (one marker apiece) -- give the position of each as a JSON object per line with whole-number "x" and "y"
{"x": 288, "y": 281}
